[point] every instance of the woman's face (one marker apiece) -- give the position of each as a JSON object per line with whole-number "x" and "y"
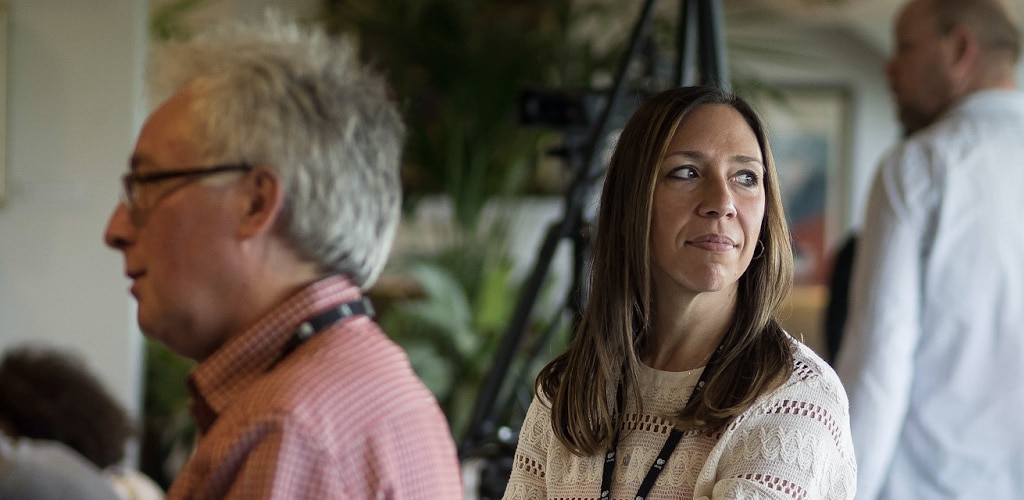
{"x": 708, "y": 205}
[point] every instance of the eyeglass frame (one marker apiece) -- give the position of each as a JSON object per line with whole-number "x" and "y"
{"x": 131, "y": 181}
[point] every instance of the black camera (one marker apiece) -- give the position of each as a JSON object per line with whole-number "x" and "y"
{"x": 560, "y": 108}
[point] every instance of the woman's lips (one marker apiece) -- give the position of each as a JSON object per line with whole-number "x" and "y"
{"x": 713, "y": 243}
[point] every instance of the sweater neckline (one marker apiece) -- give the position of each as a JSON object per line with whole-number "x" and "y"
{"x": 652, "y": 377}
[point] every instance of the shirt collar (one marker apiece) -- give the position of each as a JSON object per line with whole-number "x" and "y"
{"x": 984, "y": 100}
{"x": 214, "y": 382}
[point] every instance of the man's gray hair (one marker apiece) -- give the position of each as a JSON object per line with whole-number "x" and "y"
{"x": 300, "y": 103}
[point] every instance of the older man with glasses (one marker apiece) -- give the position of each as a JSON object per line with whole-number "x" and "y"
{"x": 261, "y": 201}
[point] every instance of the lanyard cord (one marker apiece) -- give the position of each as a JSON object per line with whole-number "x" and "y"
{"x": 318, "y": 322}
{"x": 666, "y": 451}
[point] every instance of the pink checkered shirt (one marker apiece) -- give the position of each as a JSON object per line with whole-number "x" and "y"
{"x": 342, "y": 416}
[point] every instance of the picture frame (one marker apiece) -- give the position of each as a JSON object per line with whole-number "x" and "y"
{"x": 809, "y": 131}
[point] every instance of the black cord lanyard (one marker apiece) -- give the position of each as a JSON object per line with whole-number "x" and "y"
{"x": 666, "y": 451}
{"x": 315, "y": 324}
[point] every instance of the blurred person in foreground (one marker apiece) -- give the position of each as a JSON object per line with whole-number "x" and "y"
{"x": 261, "y": 202}
{"x": 62, "y": 434}
{"x": 933, "y": 352}
{"x": 679, "y": 382}
{"x": 42, "y": 469}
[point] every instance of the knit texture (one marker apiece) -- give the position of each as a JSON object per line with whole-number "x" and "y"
{"x": 793, "y": 443}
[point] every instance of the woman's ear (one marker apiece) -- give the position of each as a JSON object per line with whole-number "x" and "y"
{"x": 261, "y": 201}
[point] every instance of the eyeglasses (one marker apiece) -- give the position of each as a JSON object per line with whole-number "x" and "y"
{"x": 138, "y": 208}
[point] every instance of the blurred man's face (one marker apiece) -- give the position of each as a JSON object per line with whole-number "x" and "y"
{"x": 919, "y": 69}
{"x": 176, "y": 235}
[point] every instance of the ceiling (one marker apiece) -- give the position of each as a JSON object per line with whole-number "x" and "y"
{"x": 870, "y": 20}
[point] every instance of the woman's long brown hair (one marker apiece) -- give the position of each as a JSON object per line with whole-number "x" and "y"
{"x": 604, "y": 354}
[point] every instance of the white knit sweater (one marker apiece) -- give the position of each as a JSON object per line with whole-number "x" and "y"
{"x": 793, "y": 443}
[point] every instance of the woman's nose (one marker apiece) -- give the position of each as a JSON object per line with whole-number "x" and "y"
{"x": 717, "y": 199}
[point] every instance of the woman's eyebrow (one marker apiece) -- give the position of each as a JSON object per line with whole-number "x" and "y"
{"x": 697, "y": 155}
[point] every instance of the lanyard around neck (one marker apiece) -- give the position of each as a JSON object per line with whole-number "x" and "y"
{"x": 666, "y": 451}
{"x": 313, "y": 325}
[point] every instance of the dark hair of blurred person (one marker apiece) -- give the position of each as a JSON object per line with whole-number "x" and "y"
{"x": 50, "y": 394}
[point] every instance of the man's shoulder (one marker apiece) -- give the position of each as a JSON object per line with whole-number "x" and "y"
{"x": 984, "y": 122}
{"x": 972, "y": 120}
{"x": 353, "y": 374}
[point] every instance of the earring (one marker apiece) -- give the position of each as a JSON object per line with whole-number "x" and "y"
{"x": 759, "y": 252}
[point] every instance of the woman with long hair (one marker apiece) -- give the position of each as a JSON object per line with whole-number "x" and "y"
{"x": 679, "y": 382}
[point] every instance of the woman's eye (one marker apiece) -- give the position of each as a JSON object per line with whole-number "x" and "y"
{"x": 684, "y": 172}
{"x": 747, "y": 178}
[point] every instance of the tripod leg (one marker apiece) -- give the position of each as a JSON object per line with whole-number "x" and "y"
{"x": 713, "y": 68}
{"x": 482, "y": 424}
{"x": 686, "y": 43}
{"x": 700, "y": 40}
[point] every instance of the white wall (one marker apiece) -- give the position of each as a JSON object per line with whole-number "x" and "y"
{"x": 73, "y": 104}
{"x": 75, "y": 101}
{"x": 833, "y": 56}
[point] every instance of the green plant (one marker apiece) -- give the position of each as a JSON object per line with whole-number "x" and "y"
{"x": 168, "y": 21}
{"x": 451, "y": 330}
{"x": 167, "y": 427}
{"x": 458, "y": 67}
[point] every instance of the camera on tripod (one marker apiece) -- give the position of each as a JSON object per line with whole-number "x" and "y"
{"x": 561, "y": 108}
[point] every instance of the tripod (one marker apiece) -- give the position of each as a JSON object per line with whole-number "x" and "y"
{"x": 699, "y": 45}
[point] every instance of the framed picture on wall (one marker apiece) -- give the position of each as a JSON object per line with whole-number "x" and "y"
{"x": 809, "y": 130}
